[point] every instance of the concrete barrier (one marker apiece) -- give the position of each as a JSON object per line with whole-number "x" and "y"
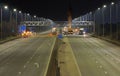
{"x": 9, "y": 39}
{"x": 53, "y": 69}
{"x": 107, "y": 39}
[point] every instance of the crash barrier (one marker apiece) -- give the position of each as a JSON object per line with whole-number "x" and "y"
{"x": 9, "y": 39}
{"x": 108, "y": 40}
{"x": 53, "y": 69}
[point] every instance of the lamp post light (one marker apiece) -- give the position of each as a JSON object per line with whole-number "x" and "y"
{"x": 20, "y": 12}
{"x": 112, "y": 3}
{"x": 27, "y": 16}
{"x": 99, "y": 23}
{"x": 98, "y": 8}
{"x": 5, "y": 7}
{"x": 96, "y": 26}
{"x": 34, "y": 17}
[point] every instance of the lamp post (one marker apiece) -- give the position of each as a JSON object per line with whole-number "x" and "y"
{"x": 103, "y": 20}
{"x": 15, "y": 10}
{"x": 112, "y": 3}
{"x": 28, "y": 15}
{"x": 117, "y": 26}
{"x": 99, "y": 23}
{"x": 5, "y": 7}
{"x": 34, "y": 17}
{"x": 20, "y": 12}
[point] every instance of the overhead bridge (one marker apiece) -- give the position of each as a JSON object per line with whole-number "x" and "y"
{"x": 88, "y": 25}
{"x": 77, "y": 23}
{"x": 36, "y": 23}
{"x": 83, "y": 23}
{"x": 36, "y": 26}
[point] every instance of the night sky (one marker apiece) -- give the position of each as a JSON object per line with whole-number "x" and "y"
{"x": 56, "y": 9}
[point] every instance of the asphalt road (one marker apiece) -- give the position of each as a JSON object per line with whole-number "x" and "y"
{"x": 25, "y": 56}
{"x": 96, "y": 57}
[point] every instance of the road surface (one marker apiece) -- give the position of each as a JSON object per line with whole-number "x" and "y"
{"x": 96, "y": 57}
{"x": 25, "y": 56}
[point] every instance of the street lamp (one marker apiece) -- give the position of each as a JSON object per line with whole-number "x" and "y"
{"x": 117, "y": 25}
{"x": 27, "y": 17}
{"x": 98, "y": 8}
{"x": 104, "y": 6}
{"x": 21, "y": 16}
{"x": 20, "y": 12}
{"x": 96, "y": 26}
{"x": 112, "y": 3}
{"x": 28, "y": 14}
{"x": 35, "y": 17}
{"x": 5, "y": 7}
{"x": 15, "y": 10}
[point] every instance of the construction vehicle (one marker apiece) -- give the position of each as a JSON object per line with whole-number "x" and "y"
{"x": 54, "y": 31}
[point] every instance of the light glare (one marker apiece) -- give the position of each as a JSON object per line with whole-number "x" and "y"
{"x": 28, "y": 14}
{"x": 105, "y": 6}
{"x": 14, "y": 10}
{"x": 6, "y": 7}
{"x": 34, "y": 16}
{"x": 98, "y": 8}
{"x": 20, "y": 12}
{"x": 112, "y": 3}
